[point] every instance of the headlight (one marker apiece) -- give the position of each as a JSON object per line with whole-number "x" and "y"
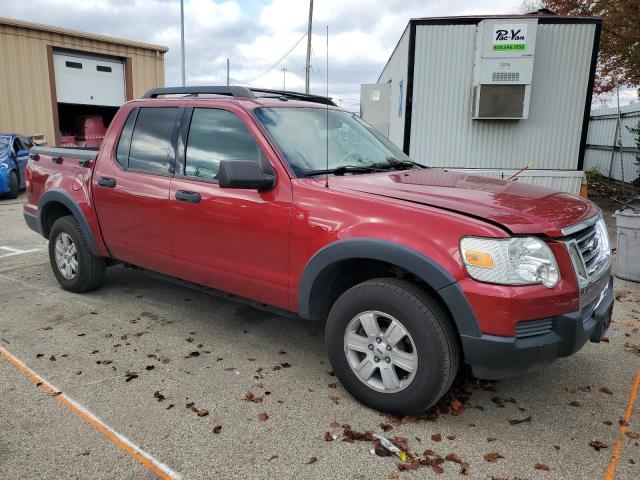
{"x": 510, "y": 261}
{"x": 603, "y": 237}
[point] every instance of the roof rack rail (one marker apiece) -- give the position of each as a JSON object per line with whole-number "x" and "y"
{"x": 231, "y": 91}
{"x": 296, "y": 96}
{"x": 238, "y": 92}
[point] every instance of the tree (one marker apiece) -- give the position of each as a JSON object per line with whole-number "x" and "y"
{"x": 619, "y": 57}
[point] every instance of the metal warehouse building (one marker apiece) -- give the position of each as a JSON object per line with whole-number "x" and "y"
{"x": 52, "y": 77}
{"x": 491, "y": 94}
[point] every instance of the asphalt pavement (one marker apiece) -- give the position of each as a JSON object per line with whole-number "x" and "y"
{"x": 211, "y": 388}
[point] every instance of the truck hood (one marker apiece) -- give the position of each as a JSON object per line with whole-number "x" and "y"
{"x": 517, "y": 207}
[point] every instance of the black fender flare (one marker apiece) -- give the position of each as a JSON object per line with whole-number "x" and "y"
{"x": 410, "y": 260}
{"x": 62, "y": 197}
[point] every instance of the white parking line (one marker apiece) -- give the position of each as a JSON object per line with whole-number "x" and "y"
{"x": 16, "y": 251}
{"x": 160, "y": 469}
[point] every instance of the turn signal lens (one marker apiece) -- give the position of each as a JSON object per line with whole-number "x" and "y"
{"x": 478, "y": 259}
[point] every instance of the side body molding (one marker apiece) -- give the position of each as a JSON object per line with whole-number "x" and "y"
{"x": 59, "y": 196}
{"x": 410, "y": 260}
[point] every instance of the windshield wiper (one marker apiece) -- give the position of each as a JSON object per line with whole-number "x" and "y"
{"x": 393, "y": 162}
{"x": 346, "y": 169}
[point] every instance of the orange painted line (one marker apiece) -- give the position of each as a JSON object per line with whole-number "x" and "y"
{"x": 623, "y": 428}
{"x": 157, "y": 467}
{"x": 628, "y": 324}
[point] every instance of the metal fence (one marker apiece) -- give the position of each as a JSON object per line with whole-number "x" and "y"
{"x": 611, "y": 160}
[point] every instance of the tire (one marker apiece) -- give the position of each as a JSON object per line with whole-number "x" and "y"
{"x": 89, "y": 269}
{"x": 432, "y": 343}
{"x": 14, "y": 185}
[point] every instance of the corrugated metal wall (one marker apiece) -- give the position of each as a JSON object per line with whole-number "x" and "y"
{"x": 442, "y": 131}
{"x": 25, "y": 93}
{"x": 395, "y": 72}
{"x": 602, "y": 130}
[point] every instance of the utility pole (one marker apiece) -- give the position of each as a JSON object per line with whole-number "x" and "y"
{"x": 227, "y": 72}
{"x": 182, "y": 38}
{"x": 284, "y": 78}
{"x": 307, "y": 67}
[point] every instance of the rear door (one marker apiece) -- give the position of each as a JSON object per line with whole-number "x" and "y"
{"x": 234, "y": 240}
{"x": 131, "y": 185}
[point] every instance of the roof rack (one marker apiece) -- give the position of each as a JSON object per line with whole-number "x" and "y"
{"x": 306, "y": 97}
{"x": 239, "y": 92}
{"x": 231, "y": 91}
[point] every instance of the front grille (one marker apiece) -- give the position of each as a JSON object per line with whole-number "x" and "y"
{"x": 531, "y": 328}
{"x": 590, "y": 248}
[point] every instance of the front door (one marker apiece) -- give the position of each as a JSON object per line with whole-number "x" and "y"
{"x": 131, "y": 188}
{"x": 234, "y": 240}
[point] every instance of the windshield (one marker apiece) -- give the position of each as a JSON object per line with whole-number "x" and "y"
{"x": 5, "y": 144}
{"x": 301, "y": 134}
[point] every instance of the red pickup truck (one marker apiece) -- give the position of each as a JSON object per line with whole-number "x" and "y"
{"x": 286, "y": 200}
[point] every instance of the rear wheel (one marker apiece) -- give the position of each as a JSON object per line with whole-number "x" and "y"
{"x": 392, "y": 346}
{"x": 73, "y": 264}
{"x": 14, "y": 185}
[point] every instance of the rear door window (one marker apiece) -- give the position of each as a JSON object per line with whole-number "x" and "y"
{"x": 216, "y": 135}
{"x": 151, "y": 149}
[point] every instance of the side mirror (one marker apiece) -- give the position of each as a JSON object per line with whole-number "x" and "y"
{"x": 22, "y": 153}
{"x": 244, "y": 174}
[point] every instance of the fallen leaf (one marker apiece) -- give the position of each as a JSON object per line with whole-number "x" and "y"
{"x": 491, "y": 439}
{"x": 575, "y": 403}
{"x": 457, "y": 405}
{"x": 400, "y": 442}
{"x": 189, "y": 339}
{"x": 492, "y": 457}
{"x": 379, "y": 449}
{"x": 274, "y": 456}
{"x": 39, "y": 355}
{"x": 332, "y": 385}
{"x": 464, "y": 468}
{"x": 52, "y": 358}
{"x": 386, "y": 427}
{"x": 170, "y": 406}
{"x": 334, "y": 398}
{"x": 437, "y": 469}
{"x": 393, "y": 475}
{"x": 158, "y": 396}
{"x": 557, "y": 447}
{"x": 285, "y": 365}
{"x": 452, "y": 457}
{"x": 634, "y": 435}
{"x": 192, "y": 354}
{"x": 436, "y": 437}
{"x": 414, "y": 464}
{"x": 541, "y": 466}
{"x": 149, "y": 367}
{"x": 202, "y": 412}
{"x": 217, "y": 428}
{"x": 451, "y": 437}
{"x": 229, "y": 369}
{"x": 130, "y": 376}
{"x": 598, "y": 445}
{"x": 605, "y": 339}
{"x": 312, "y": 460}
{"x": 334, "y": 424}
{"x": 606, "y": 390}
{"x": 282, "y": 352}
{"x": 516, "y": 422}
{"x": 94, "y": 352}
{"x": 79, "y": 372}
{"x": 190, "y": 404}
{"x": 263, "y": 417}
{"x": 328, "y": 437}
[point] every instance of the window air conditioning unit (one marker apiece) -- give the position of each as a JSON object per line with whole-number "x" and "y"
{"x": 503, "y": 68}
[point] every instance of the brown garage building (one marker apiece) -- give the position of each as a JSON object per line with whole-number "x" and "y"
{"x": 58, "y": 82}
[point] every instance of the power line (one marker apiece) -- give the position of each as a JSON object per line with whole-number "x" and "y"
{"x": 317, "y": 68}
{"x": 275, "y": 64}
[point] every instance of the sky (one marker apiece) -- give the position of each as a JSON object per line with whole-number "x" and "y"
{"x": 256, "y": 34}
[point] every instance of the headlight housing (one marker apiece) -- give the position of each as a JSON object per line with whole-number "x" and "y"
{"x": 510, "y": 261}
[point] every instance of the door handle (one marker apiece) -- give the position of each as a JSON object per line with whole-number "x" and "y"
{"x": 189, "y": 197}
{"x": 107, "y": 182}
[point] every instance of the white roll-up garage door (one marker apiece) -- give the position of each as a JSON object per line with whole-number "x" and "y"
{"x": 89, "y": 79}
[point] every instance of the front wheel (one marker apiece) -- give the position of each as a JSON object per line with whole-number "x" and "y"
{"x": 73, "y": 264}
{"x": 392, "y": 346}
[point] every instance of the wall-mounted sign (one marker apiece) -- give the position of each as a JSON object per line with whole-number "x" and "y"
{"x": 374, "y": 95}
{"x": 509, "y": 37}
